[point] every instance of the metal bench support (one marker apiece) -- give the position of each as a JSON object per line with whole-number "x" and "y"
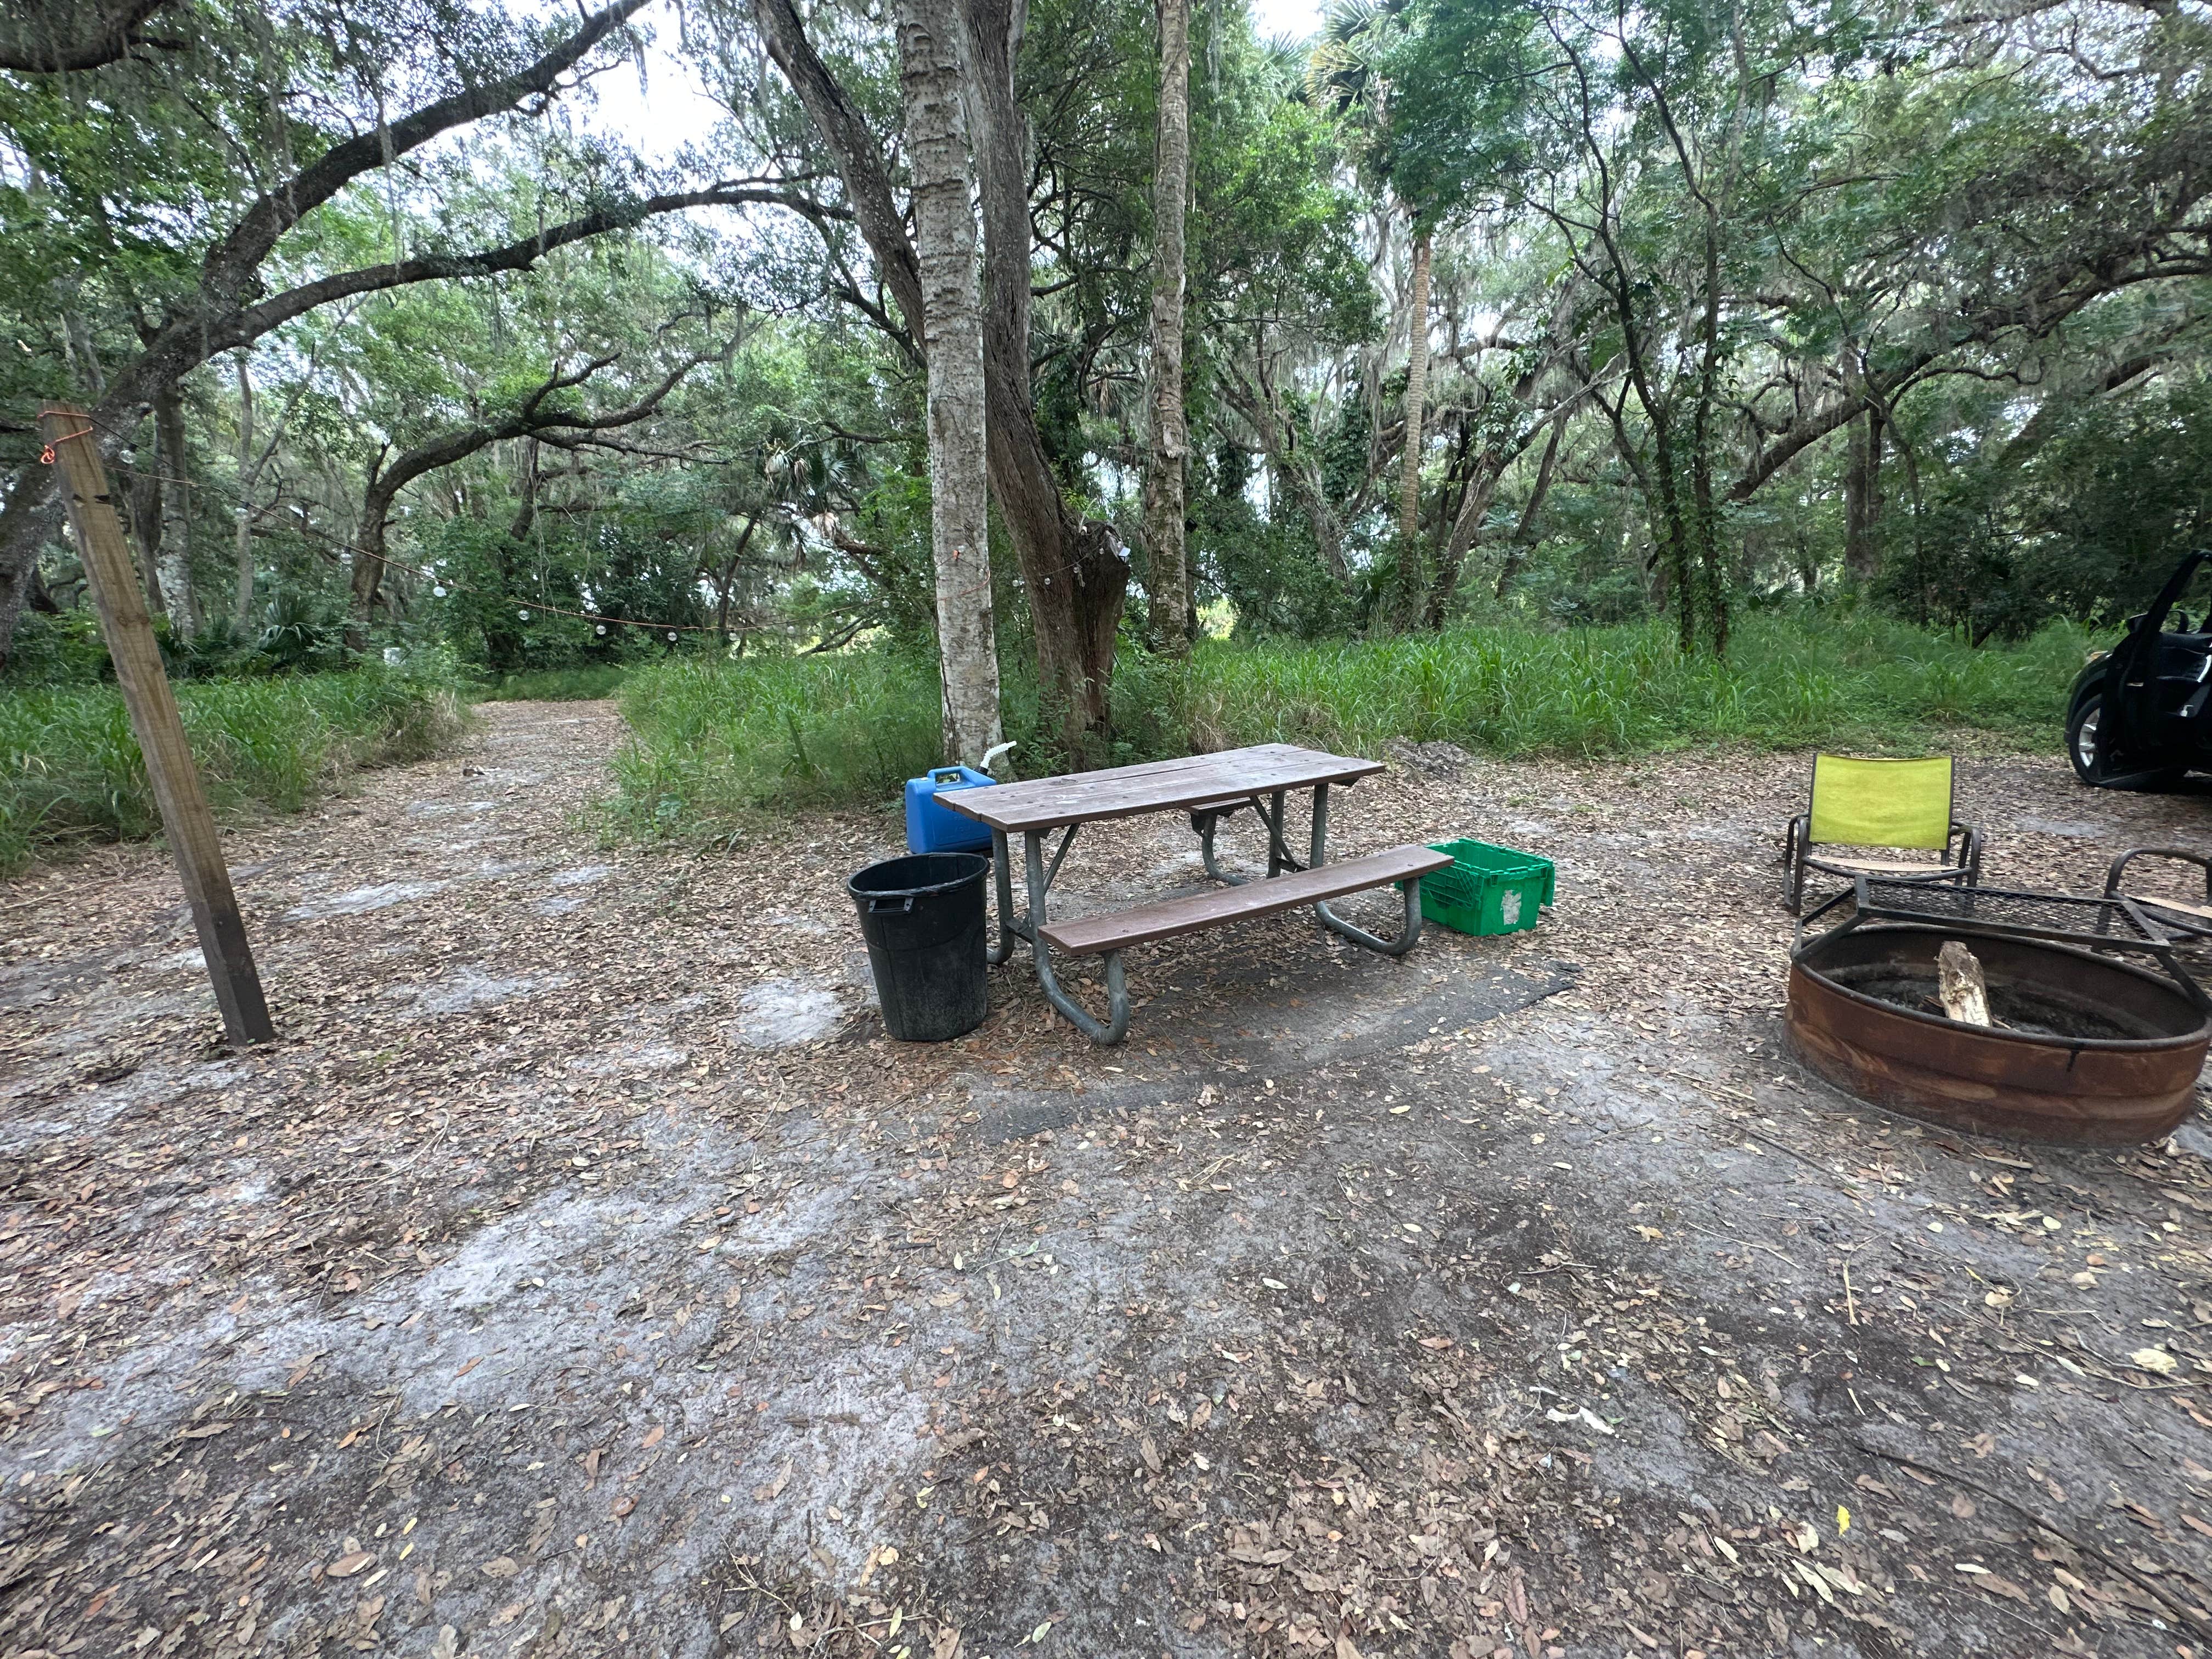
{"x": 1278, "y": 851}
{"x": 1116, "y": 1023}
{"x": 1409, "y": 936}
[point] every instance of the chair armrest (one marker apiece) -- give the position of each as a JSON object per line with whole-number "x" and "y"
{"x": 2180, "y": 854}
{"x": 1969, "y": 837}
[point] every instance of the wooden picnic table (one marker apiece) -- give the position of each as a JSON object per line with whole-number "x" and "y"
{"x": 1209, "y": 787}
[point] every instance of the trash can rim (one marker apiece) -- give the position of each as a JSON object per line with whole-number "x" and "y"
{"x": 857, "y": 891}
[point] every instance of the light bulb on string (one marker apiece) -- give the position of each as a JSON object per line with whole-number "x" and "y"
{"x": 438, "y": 592}
{"x": 525, "y": 615}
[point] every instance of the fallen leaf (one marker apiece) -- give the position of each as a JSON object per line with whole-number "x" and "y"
{"x": 2156, "y": 1359}
{"x": 652, "y": 1436}
{"x": 773, "y": 1490}
{"x": 623, "y": 1506}
{"x": 502, "y": 1566}
{"x": 349, "y": 1564}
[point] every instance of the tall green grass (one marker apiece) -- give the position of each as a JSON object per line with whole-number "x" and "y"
{"x": 70, "y": 769}
{"x": 712, "y": 742}
{"x": 1862, "y": 682}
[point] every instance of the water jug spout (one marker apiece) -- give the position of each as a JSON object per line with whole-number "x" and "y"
{"x": 991, "y": 757}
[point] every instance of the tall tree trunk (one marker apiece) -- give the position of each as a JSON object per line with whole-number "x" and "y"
{"x": 1164, "y": 481}
{"x": 953, "y": 346}
{"x": 366, "y": 580}
{"x": 175, "y": 556}
{"x": 1411, "y": 581}
{"x": 728, "y": 580}
{"x": 1467, "y": 530}
{"x": 241, "y": 607}
{"x": 1516, "y": 550}
{"x": 145, "y": 498}
{"x": 1713, "y": 581}
{"x": 1862, "y": 500}
{"x": 1073, "y": 567}
{"x": 504, "y": 642}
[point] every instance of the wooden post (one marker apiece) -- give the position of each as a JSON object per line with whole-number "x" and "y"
{"x": 161, "y": 733}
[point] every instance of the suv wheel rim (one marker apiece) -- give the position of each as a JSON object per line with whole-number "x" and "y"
{"x": 2085, "y": 741}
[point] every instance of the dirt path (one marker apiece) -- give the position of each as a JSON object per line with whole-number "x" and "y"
{"x": 583, "y": 1272}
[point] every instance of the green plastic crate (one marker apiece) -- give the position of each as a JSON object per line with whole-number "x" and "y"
{"x": 1486, "y": 889}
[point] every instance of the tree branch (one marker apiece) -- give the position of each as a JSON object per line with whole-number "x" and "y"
{"x": 110, "y": 32}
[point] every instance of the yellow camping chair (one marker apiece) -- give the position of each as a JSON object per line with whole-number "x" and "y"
{"x": 1883, "y": 804}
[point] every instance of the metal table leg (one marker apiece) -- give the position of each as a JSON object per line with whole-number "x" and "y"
{"x": 1409, "y": 935}
{"x": 1276, "y": 823}
{"x": 1009, "y": 929}
{"x": 1116, "y": 1024}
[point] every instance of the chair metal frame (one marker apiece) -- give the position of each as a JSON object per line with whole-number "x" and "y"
{"x": 2181, "y": 924}
{"x": 1798, "y": 857}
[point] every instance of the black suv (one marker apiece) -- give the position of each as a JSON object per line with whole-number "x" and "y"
{"x": 2141, "y": 713}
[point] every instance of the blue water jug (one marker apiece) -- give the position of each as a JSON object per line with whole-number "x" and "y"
{"x": 933, "y": 828}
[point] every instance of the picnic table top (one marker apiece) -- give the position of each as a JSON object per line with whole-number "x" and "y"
{"x": 1123, "y": 791}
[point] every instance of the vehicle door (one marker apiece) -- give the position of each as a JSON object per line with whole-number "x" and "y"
{"x": 2160, "y": 705}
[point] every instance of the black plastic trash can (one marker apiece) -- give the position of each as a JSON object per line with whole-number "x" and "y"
{"x": 923, "y": 919}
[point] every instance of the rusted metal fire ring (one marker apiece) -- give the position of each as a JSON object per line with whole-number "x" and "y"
{"x": 2083, "y": 1090}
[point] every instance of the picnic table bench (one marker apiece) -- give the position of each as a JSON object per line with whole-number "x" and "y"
{"x": 1209, "y": 787}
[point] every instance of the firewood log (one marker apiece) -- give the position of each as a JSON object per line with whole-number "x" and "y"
{"x": 1959, "y": 979}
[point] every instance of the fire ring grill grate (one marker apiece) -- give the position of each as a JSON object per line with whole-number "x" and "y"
{"x": 2114, "y": 921}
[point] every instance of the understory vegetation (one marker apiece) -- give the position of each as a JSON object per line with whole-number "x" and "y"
{"x": 553, "y": 685}
{"x": 714, "y": 742}
{"x": 71, "y": 770}
{"x": 1502, "y": 372}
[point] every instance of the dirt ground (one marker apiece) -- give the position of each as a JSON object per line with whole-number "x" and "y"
{"x": 584, "y": 1273}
